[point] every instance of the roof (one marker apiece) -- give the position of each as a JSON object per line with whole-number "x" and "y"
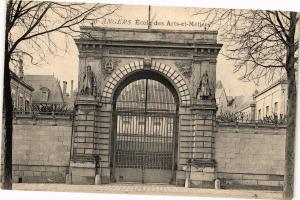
{"x": 69, "y": 99}
{"x": 45, "y": 81}
{"x": 219, "y": 84}
{"x": 219, "y": 92}
{"x": 280, "y": 81}
{"x": 19, "y": 80}
{"x": 242, "y": 102}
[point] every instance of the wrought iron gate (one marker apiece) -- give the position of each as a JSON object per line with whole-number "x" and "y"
{"x": 145, "y": 142}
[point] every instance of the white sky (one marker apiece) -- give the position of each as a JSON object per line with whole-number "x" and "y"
{"x": 65, "y": 66}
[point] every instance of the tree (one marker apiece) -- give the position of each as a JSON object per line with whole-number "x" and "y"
{"x": 263, "y": 44}
{"x": 31, "y": 24}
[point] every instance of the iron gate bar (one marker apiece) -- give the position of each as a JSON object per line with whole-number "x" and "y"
{"x": 145, "y": 129}
{"x": 160, "y": 138}
{"x": 145, "y": 137}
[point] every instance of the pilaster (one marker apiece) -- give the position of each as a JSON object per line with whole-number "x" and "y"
{"x": 202, "y": 164}
{"x": 83, "y": 159}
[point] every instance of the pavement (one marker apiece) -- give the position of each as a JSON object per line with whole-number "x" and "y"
{"x": 145, "y": 189}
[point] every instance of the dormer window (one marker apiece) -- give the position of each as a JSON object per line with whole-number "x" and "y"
{"x": 44, "y": 94}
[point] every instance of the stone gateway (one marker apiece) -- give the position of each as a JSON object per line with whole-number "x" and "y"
{"x": 146, "y": 121}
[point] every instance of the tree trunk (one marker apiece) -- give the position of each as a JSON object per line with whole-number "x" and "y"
{"x": 7, "y": 133}
{"x": 290, "y": 139}
{"x": 288, "y": 189}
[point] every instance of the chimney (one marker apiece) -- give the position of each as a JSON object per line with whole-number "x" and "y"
{"x": 21, "y": 69}
{"x": 71, "y": 92}
{"x": 64, "y": 87}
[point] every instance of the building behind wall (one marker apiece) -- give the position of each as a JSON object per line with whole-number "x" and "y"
{"x": 223, "y": 101}
{"x": 48, "y": 95}
{"x": 272, "y": 101}
{"x": 244, "y": 107}
{"x": 268, "y": 105}
{"x": 21, "y": 93}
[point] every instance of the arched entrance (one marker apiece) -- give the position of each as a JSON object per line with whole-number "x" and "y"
{"x": 145, "y": 126}
{"x": 118, "y": 57}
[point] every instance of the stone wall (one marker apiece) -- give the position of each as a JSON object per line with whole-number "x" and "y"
{"x": 247, "y": 156}
{"x": 41, "y": 149}
{"x": 250, "y": 155}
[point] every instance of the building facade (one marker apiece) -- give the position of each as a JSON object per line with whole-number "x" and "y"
{"x": 21, "y": 94}
{"x": 272, "y": 101}
{"x": 268, "y": 105}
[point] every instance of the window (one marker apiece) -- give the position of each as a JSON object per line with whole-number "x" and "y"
{"x": 267, "y": 111}
{"x": 44, "y": 94}
{"x": 259, "y": 114}
{"x": 276, "y": 107}
{"x": 21, "y": 103}
{"x": 14, "y": 103}
{"x": 27, "y": 105}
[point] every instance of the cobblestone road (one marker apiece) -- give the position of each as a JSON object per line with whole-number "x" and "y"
{"x": 150, "y": 189}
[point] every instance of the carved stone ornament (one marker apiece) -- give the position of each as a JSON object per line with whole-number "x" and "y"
{"x": 147, "y": 63}
{"x": 109, "y": 65}
{"x": 185, "y": 67}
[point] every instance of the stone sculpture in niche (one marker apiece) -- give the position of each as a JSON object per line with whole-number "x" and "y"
{"x": 203, "y": 91}
{"x": 88, "y": 83}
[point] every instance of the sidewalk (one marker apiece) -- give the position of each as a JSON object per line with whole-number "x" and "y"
{"x": 150, "y": 190}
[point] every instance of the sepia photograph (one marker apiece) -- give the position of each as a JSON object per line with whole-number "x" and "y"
{"x": 178, "y": 101}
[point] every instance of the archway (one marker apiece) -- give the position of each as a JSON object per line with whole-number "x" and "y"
{"x": 144, "y": 140}
{"x": 158, "y": 70}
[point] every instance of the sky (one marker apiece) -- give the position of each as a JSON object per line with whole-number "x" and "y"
{"x": 65, "y": 65}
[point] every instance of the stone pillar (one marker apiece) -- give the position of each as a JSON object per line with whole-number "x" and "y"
{"x": 83, "y": 159}
{"x": 203, "y": 163}
{"x": 252, "y": 112}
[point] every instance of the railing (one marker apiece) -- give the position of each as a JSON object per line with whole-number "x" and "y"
{"x": 36, "y": 114}
{"x": 237, "y": 118}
